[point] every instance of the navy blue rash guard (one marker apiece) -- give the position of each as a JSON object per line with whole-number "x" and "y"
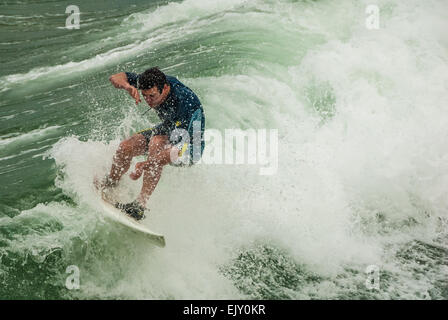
{"x": 178, "y": 110}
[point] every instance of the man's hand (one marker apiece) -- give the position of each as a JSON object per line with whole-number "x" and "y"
{"x": 120, "y": 81}
{"x": 134, "y": 93}
{"x": 139, "y": 167}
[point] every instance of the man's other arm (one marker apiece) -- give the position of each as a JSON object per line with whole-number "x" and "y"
{"x": 120, "y": 81}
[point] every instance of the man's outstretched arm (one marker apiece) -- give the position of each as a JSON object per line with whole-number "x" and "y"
{"x": 120, "y": 81}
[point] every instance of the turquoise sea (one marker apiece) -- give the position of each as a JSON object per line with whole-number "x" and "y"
{"x": 362, "y": 179}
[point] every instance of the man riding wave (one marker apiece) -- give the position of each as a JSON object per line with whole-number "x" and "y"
{"x": 177, "y": 140}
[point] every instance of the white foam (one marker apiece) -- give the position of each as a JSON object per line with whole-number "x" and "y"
{"x": 381, "y": 154}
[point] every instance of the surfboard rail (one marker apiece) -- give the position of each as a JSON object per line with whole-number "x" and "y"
{"x": 118, "y": 216}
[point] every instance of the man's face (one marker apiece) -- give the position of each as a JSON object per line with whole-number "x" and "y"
{"x": 153, "y": 97}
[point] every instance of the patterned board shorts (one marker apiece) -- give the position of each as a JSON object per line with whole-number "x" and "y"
{"x": 190, "y": 152}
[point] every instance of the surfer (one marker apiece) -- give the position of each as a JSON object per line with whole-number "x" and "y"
{"x": 178, "y": 108}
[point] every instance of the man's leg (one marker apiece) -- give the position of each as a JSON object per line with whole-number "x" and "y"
{"x": 159, "y": 155}
{"x": 129, "y": 148}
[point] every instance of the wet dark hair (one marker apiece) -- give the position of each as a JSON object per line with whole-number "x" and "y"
{"x": 152, "y": 77}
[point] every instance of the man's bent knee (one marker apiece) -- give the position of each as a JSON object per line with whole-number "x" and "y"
{"x": 167, "y": 155}
{"x": 157, "y": 144}
{"x": 158, "y": 140}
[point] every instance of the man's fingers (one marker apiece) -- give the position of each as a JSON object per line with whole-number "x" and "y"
{"x": 137, "y": 94}
{"x": 134, "y": 94}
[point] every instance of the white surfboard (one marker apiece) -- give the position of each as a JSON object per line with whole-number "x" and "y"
{"x": 118, "y": 216}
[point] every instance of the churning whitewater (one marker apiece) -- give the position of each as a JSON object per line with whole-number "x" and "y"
{"x": 362, "y": 171}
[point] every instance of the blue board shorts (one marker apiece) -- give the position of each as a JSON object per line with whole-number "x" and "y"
{"x": 188, "y": 155}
